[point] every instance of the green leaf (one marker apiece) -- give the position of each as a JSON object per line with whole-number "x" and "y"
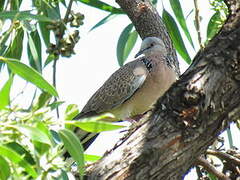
{"x": 103, "y": 6}
{"x": 177, "y": 9}
{"x": 5, "y": 169}
{"x": 17, "y": 159}
{"x": 15, "y": 48}
{"x": 74, "y": 147}
{"x": 4, "y": 93}
{"x": 29, "y": 74}
{"x": 2, "y": 2}
{"x": 56, "y": 104}
{"x": 45, "y": 32}
{"x": 214, "y": 25}
{"x": 62, "y": 176}
{"x": 23, "y": 15}
{"x": 175, "y": 35}
{"x": 132, "y": 38}
{"x": 43, "y": 128}
{"x": 15, "y": 4}
{"x": 43, "y": 100}
{"x": 96, "y": 124}
{"x": 34, "y": 134}
{"x": 49, "y": 59}
{"x": 103, "y": 21}
{"x": 21, "y": 151}
{"x": 125, "y": 43}
{"x": 91, "y": 158}
{"x": 34, "y": 50}
{"x": 71, "y": 111}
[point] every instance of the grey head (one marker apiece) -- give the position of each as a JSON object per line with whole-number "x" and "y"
{"x": 151, "y": 46}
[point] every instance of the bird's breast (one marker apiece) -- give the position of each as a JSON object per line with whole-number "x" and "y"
{"x": 157, "y": 82}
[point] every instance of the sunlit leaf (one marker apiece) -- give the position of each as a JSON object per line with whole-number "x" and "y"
{"x": 96, "y": 124}
{"x": 102, "y": 5}
{"x": 4, "y": 93}
{"x": 29, "y": 74}
{"x": 34, "y": 134}
{"x": 14, "y": 157}
{"x": 5, "y": 169}
{"x": 91, "y": 158}
{"x": 103, "y": 21}
{"x": 177, "y": 9}
{"x": 175, "y": 36}
{"x": 23, "y": 15}
{"x": 74, "y": 147}
{"x": 34, "y": 50}
{"x": 71, "y": 111}
{"x": 125, "y": 43}
{"x": 21, "y": 151}
{"x": 43, "y": 100}
{"x": 213, "y": 25}
{"x": 15, "y": 48}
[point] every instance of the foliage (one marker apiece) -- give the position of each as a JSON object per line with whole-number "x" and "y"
{"x": 32, "y": 140}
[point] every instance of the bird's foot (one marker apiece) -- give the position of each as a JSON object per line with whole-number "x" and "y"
{"x": 134, "y": 119}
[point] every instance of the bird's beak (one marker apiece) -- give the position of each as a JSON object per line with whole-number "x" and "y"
{"x": 141, "y": 52}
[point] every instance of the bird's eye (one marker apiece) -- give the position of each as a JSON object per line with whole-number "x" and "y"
{"x": 151, "y": 44}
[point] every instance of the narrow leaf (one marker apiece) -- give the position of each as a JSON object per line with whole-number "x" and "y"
{"x": 4, "y": 93}
{"x": 34, "y": 50}
{"x": 96, "y": 126}
{"x": 175, "y": 36}
{"x": 5, "y": 169}
{"x": 103, "y": 21}
{"x": 33, "y": 133}
{"x": 177, "y": 9}
{"x": 71, "y": 111}
{"x": 45, "y": 32}
{"x": 213, "y": 25}
{"x": 23, "y": 15}
{"x": 91, "y": 158}
{"x": 125, "y": 43}
{"x": 17, "y": 159}
{"x": 29, "y": 74}
{"x": 21, "y": 151}
{"x": 102, "y": 6}
{"x": 74, "y": 147}
{"x": 15, "y": 48}
{"x": 132, "y": 38}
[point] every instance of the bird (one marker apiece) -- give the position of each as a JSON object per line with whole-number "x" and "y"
{"x": 133, "y": 89}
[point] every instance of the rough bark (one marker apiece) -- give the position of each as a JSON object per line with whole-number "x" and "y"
{"x": 189, "y": 117}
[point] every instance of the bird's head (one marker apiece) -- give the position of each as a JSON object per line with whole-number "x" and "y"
{"x": 151, "y": 46}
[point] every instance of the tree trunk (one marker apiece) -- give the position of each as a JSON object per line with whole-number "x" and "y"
{"x": 190, "y": 116}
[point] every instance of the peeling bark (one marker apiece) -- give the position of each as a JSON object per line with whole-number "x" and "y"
{"x": 189, "y": 117}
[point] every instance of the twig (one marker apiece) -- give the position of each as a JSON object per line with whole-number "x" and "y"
{"x": 211, "y": 169}
{"x": 55, "y": 61}
{"x": 224, "y": 156}
{"x": 68, "y": 11}
{"x": 197, "y": 23}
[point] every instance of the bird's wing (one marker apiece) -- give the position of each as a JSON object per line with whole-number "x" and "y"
{"x": 117, "y": 89}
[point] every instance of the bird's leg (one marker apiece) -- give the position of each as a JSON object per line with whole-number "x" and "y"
{"x": 135, "y": 118}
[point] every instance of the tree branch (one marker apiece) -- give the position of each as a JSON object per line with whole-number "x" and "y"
{"x": 190, "y": 116}
{"x": 211, "y": 169}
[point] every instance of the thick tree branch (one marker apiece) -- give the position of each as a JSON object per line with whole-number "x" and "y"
{"x": 189, "y": 117}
